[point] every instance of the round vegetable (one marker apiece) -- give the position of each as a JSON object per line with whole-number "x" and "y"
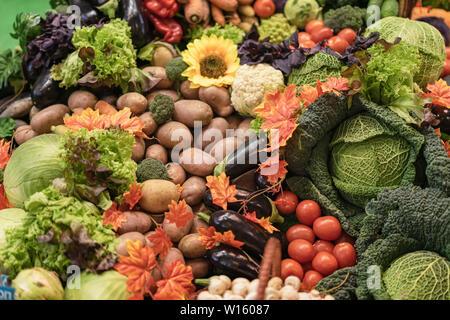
{"x": 286, "y": 202}
{"x": 348, "y": 34}
{"x": 320, "y": 34}
{"x": 307, "y": 211}
{"x": 338, "y": 44}
{"x": 345, "y": 254}
{"x": 325, "y": 263}
{"x": 309, "y": 44}
{"x": 323, "y": 245}
{"x": 345, "y": 237}
{"x": 264, "y": 8}
{"x": 327, "y": 228}
{"x": 313, "y": 24}
{"x": 310, "y": 280}
{"x": 303, "y": 36}
{"x": 301, "y": 250}
{"x": 300, "y": 231}
{"x": 290, "y": 267}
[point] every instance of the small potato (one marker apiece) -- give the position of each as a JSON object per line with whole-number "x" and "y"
{"x": 43, "y": 121}
{"x": 138, "y": 149}
{"x": 136, "y": 102}
{"x": 198, "y": 223}
{"x": 218, "y": 98}
{"x": 161, "y": 56}
{"x": 200, "y": 267}
{"x": 33, "y": 112}
{"x": 160, "y": 72}
{"x": 176, "y": 173}
{"x": 173, "y": 255}
{"x": 82, "y": 99}
{"x": 192, "y": 246}
{"x": 18, "y": 108}
{"x": 174, "y": 134}
{"x": 121, "y": 247}
{"x": 188, "y": 92}
{"x": 191, "y": 111}
{"x": 157, "y": 195}
{"x": 170, "y": 93}
{"x": 137, "y": 221}
{"x": 244, "y": 131}
{"x": 197, "y": 162}
{"x": 234, "y": 121}
{"x": 150, "y": 124}
{"x": 223, "y": 148}
{"x": 176, "y": 233}
{"x": 193, "y": 190}
{"x": 24, "y": 133}
{"x": 158, "y": 152}
{"x": 19, "y": 123}
{"x": 104, "y": 107}
{"x": 213, "y": 133}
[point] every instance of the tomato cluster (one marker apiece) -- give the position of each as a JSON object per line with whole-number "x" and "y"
{"x": 317, "y": 246}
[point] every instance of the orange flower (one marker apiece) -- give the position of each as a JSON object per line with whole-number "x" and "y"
{"x": 179, "y": 213}
{"x": 440, "y": 92}
{"x": 114, "y": 217}
{"x": 161, "y": 242}
{"x": 221, "y": 191}
{"x": 273, "y": 169}
{"x": 263, "y": 222}
{"x": 4, "y": 153}
{"x": 177, "y": 284}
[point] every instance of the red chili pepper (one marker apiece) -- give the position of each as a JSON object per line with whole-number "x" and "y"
{"x": 171, "y": 29}
{"x": 162, "y": 8}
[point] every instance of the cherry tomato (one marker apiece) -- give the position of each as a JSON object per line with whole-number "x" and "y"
{"x": 301, "y": 250}
{"x": 309, "y": 44}
{"x": 338, "y": 44}
{"x": 290, "y": 267}
{"x": 264, "y": 8}
{"x": 320, "y": 34}
{"x": 314, "y": 24}
{"x": 446, "y": 70}
{"x": 348, "y": 34}
{"x": 310, "y": 280}
{"x": 325, "y": 263}
{"x": 302, "y": 36}
{"x": 307, "y": 266}
{"x": 300, "y": 231}
{"x": 447, "y": 51}
{"x": 345, "y": 237}
{"x": 307, "y": 211}
{"x": 327, "y": 228}
{"x": 345, "y": 254}
{"x": 323, "y": 245}
{"x": 286, "y": 202}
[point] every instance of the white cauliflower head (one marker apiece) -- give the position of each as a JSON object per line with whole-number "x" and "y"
{"x": 250, "y": 85}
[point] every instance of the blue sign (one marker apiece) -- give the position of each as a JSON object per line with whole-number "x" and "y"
{"x": 6, "y": 293}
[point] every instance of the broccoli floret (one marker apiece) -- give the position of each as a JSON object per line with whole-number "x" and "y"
{"x": 162, "y": 108}
{"x": 345, "y": 17}
{"x": 174, "y": 69}
{"x": 150, "y": 169}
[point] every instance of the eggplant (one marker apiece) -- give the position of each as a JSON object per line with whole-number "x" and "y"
{"x": 246, "y": 180}
{"x": 132, "y": 12}
{"x": 98, "y": 3}
{"x": 46, "y": 91}
{"x": 233, "y": 262}
{"x": 89, "y": 15}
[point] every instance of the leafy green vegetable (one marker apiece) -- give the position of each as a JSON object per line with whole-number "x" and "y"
{"x": 26, "y": 27}
{"x": 37, "y": 284}
{"x": 11, "y": 69}
{"x": 9, "y": 218}
{"x": 300, "y": 12}
{"x": 162, "y": 108}
{"x": 345, "y": 17}
{"x": 174, "y": 69}
{"x": 55, "y": 3}
{"x": 7, "y": 126}
{"x": 229, "y": 31}
{"x": 109, "y": 8}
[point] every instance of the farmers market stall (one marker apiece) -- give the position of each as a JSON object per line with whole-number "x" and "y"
{"x": 226, "y": 150}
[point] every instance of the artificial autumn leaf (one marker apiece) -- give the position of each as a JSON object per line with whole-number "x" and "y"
{"x": 228, "y": 238}
{"x": 221, "y": 191}
{"x": 207, "y": 237}
{"x": 89, "y": 119}
{"x": 161, "y": 242}
{"x": 179, "y": 213}
{"x": 117, "y": 119}
{"x": 136, "y": 296}
{"x": 308, "y": 95}
{"x": 440, "y": 92}
{"x": 113, "y": 216}
{"x": 263, "y": 222}
{"x": 273, "y": 169}
{"x": 133, "y": 196}
{"x": 332, "y": 85}
{"x": 177, "y": 284}
{"x": 137, "y": 266}
{"x": 4, "y": 153}
{"x": 4, "y": 202}
{"x": 134, "y": 126}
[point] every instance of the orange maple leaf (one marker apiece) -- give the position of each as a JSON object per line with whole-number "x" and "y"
{"x": 179, "y": 213}
{"x": 180, "y": 189}
{"x": 308, "y": 95}
{"x": 137, "y": 267}
{"x": 161, "y": 242}
{"x": 133, "y": 196}
{"x": 440, "y": 92}
{"x": 273, "y": 169}
{"x": 114, "y": 217}
{"x": 210, "y": 238}
{"x": 228, "y": 238}
{"x": 332, "y": 85}
{"x": 4, "y": 153}
{"x": 221, "y": 191}
{"x": 134, "y": 126}
{"x": 4, "y": 202}
{"x": 177, "y": 284}
{"x": 263, "y": 222}
{"x": 136, "y": 296}
{"x": 89, "y": 119}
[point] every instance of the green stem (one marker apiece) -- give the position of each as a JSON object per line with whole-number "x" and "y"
{"x": 202, "y": 282}
{"x": 204, "y": 216}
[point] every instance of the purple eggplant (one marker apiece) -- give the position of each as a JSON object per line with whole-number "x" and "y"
{"x": 233, "y": 262}
{"x": 131, "y": 11}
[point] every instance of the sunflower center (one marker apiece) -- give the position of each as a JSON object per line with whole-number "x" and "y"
{"x": 213, "y": 66}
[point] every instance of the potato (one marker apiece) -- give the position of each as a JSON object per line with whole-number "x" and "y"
{"x": 190, "y": 111}
{"x": 137, "y": 221}
{"x": 157, "y": 195}
{"x": 60, "y": 129}
{"x": 243, "y": 131}
{"x": 188, "y": 92}
{"x": 193, "y": 190}
{"x": 82, "y": 99}
{"x": 136, "y": 102}
{"x": 121, "y": 247}
{"x": 19, "y": 123}
{"x": 158, "y": 152}
{"x": 198, "y": 223}
{"x": 191, "y": 246}
{"x": 234, "y": 121}
{"x": 224, "y": 147}
{"x": 170, "y": 93}
{"x": 43, "y": 121}
{"x": 197, "y": 162}
{"x": 176, "y": 173}
{"x": 33, "y": 111}
{"x": 213, "y": 133}
{"x": 200, "y": 267}
{"x": 138, "y": 149}
{"x": 173, "y": 255}
{"x": 161, "y": 56}
{"x": 160, "y": 72}
{"x": 110, "y": 98}
{"x": 18, "y": 108}
{"x": 177, "y": 233}
{"x": 24, "y": 133}
{"x": 150, "y": 124}
{"x": 104, "y": 107}
{"x": 174, "y": 134}
{"x": 218, "y": 98}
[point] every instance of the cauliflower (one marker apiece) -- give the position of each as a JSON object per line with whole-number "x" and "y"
{"x": 250, "y": 85}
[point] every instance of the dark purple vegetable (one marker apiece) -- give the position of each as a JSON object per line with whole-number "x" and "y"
{"x": 361, "y": 43}
{"x": 261, "y": 181}
{"x": 279, "y": 5}
{"x": 131, "y": 11}
{"x": 97, "y": 3}
{"x": 439, "y": 24}
{"x": 89, "y": 14}
{"x": 233, "y": 262}
{"x": 46, "y": 91}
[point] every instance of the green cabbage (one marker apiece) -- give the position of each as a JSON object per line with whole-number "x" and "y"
{"x": 110, "y": 285}
{"x": 37, "y": 284}
{"x": 32, "y": 167}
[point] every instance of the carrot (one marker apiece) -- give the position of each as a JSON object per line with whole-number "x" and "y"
{"x": 226, "y": 5}
{"x": 193, "y": 11}
{"x": 206, "y": 12}
{"x": 234, "y": 18}
{"x": 217, "y": 15}
{"x": 105, "y": 108}
{"x": 269, "y": 265}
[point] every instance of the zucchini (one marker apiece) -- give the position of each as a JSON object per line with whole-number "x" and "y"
{"x": 389, "y": 9}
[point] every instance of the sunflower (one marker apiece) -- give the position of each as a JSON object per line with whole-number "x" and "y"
{"x": 212, "y": 62}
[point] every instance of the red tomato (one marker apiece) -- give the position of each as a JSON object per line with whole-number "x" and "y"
{"x": 345, "y": 237}
{"x": 325, "y": 263}
{"x": 338, "y": 44}
{"x": 447, "y": 51}
{"x": 348, "y": 34}
{"x": 320, "y": 34}
{"x": 327, "y": 228}
{"x": 310, "y": 26}
{"x": 307, "y": 211}
{"x": 300, "y": 231}
{"x": 307, "y": 266}
{"x": 310, "y": 280}
{"x": 264, "y": 8}
{"x": 302, "y": 36}
{"x": 286, "y": 202}
{"x": 301, "y": 250}
{"x": 345, "y": 254}
{"x": 309, "y": 44}
{"x": 323, "y": 245}
{"x": 291, "y": 267}
{"x": 446, "y": 70}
